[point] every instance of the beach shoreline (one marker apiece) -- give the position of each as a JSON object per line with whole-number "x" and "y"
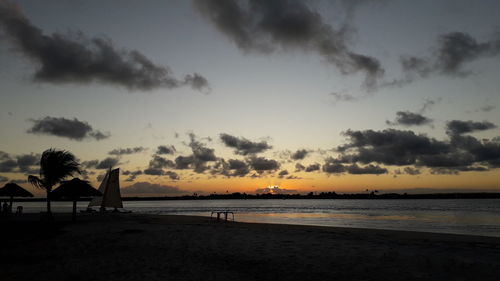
{"x": 175, "y": 247}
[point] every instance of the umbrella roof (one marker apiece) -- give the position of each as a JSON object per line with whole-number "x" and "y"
{"x": 14, "y": 190}
{"x": 75, "y": 188}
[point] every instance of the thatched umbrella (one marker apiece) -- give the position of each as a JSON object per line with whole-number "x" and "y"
{"x": 75, "y": 189}
{"x": 13, "y": 190}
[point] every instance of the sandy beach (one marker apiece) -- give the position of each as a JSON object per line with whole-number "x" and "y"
{"x": 146, "y": 247}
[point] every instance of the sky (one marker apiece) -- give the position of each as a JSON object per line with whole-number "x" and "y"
{"x": 251, "y": 96}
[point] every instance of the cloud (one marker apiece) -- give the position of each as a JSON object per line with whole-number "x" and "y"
{"x": 405, "y": 148}
{"x": 172, "y": 175}
{"x": 126, "y": 151}
{"x": 457, "y": 127}
{"x": 454, "y": 50}
{"x": 369, "y": 169}
{"x": 76, "y": 58}
{"x": 486, "y": 108}
{"x": 198, "y": 159}
{"x": 28, "y": 163}
{"x": 406, "y": 118}
{"x": 313, "y": 167}
{"x": 343, "y": 97}
{"x": 275, "y": 190}
{"x": 106, "y": 163}
{"x": 428, "y": 104}
{"x": 389, "y": 147}
{"x": 157, "y": 164}
{"x": 147, "y": 188}
{"x": 299, "y": 154}
{"x": 65, "y": 128}
{"x": 132, "y": 175}
{"x": 299, "y": 167}
{"x": 24, "y": 163}
{"x": 231, "y": 168}
{"x": 282, "y": 173}
{"x": 266, "y": 26}
{"x": 165, "y": 149}
{"x": 261, "y": 164}
{"x": 243, "y": 146}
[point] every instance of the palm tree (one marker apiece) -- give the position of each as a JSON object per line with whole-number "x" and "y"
{"x": 55, "y": 166}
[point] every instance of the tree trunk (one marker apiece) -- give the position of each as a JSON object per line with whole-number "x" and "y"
{"x": 49, "y": 212}
{"x": 74, "y": 210}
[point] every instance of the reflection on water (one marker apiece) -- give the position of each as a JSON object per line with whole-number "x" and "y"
{"x": 461, "y": 216}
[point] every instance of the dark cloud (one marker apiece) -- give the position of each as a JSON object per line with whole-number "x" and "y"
{"x": 132, "y": 175}
{"x": 157, "y": 165}
{"x": 299, "y": 167}
{"x": 389, "y": 147}
{"x": 406, "y": 118}
{"x": 126, "y": 151}
{"x": 299, "y": 154}
{"x": 28, "y": 163}
{"x": 147, "y": 188}
{"x": 172, "y": 175}
{"x": 313, "y": 167}
{"x": 332, "y": 166}
{"x": 24, "y": 163}
{"x": 184, "y": 162}
{"x": 283, "y": 173}
{"x": 243, "y": 146}
{"x": 107, "y": 163}
{"x": 200, "y": 152}
{"x": 275, "y": 190}
{"x": 454, "y": 50}
{"x": 198, "y": 160}
{"x": 266, "y": 26}
{"x": 165, "y": 149}
{"x": 76, "y": 58}
{"x": 231, "y": 168}
{"x": 369, "y": 169}
{"x": 457, "y": 127}
{"x": 65, "y": 128}
{"x": 405, "y": 148}
{"x": 261, "y": 164}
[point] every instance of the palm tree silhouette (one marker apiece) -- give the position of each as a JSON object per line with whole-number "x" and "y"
{"x": 55, "y": 166}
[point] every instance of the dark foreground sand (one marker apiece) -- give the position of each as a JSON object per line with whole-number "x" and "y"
{"x": 119, "y": 247}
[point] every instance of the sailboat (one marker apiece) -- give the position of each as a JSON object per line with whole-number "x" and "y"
{"x": 110, "y": 189}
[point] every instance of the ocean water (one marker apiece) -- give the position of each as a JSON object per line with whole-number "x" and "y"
{"x": 458, "y": 216}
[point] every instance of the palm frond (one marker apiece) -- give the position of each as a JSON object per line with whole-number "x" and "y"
{"x": 36, "y": 181}
{"x": 56, "y": 165}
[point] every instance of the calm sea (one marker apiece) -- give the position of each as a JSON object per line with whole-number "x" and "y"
{"x": 459, "y": 216}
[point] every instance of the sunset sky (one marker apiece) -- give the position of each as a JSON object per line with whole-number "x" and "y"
{"x": 212, "y": 96}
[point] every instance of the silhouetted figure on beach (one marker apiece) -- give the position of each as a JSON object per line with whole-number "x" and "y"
{"x": 55, "y": 166}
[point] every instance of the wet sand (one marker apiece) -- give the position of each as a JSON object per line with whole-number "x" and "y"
{"x": 145, "y": 247}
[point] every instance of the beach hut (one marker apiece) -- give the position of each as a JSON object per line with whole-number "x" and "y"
{"x": 74, "y": 189}
{"x": 14, "y": 190}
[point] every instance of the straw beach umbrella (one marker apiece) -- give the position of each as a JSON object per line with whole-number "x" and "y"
{"x": 13, "y": 190}
{"x": 74, "y": 189}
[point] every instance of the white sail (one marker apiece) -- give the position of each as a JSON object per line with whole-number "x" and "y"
{"x": 110, "y": 189}
{"x": 111, "y": 196}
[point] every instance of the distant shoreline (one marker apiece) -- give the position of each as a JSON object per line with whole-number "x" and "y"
{"x": 323, "y": 195}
